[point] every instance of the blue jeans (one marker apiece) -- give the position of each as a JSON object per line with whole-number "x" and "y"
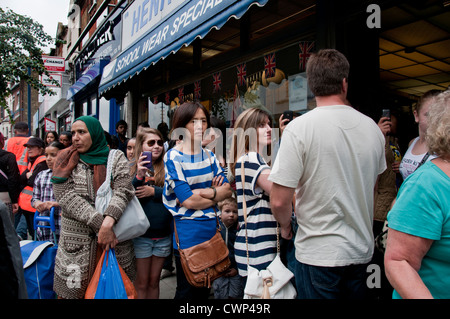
{"x": 315, "y": 282}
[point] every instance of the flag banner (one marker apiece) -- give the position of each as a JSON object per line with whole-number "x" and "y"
{"x": 236, "y": 106}
{"x": 242, "y": 74}
{"x": 181, "y": 94}
{"x": 270, "y": 65}
{"x": 217, "y": 82}
{"x": 167, "y": 98}
{"x": 197, "y": 90}
{"x": 306, "y": 48}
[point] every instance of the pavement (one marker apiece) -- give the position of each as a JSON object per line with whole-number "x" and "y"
{"x": 168, "y": 286}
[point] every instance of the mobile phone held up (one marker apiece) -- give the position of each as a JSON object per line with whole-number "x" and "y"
{"x": 288, "y": 115}
{"x": 386, "y": 113}
{"x": 149, "y": 158}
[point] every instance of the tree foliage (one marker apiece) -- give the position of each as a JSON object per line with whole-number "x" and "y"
{"x": 20, "y": 51}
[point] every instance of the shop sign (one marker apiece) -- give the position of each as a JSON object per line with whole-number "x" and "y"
{"x": 180, "y": 23}
{"x": 49, "y": 125}
{"x": 46, "y": 80}
{"x": 149, "y": 35}
{"x": 53, "y": 63}
{"x": 142, "y": 15}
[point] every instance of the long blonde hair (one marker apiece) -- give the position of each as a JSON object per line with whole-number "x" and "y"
{"x": 158, "y": 165}
{"x": 241, "y": 142}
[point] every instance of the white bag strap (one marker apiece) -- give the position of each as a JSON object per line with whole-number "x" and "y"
{"x": 104, "y": 188}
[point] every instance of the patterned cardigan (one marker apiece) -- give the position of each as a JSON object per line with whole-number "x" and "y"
{"x": 80, "y": 224}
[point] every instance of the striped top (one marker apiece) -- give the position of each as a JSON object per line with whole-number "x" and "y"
{"x": 185, "y": 173}
{"x": 43, "y": 191}
{"x": 261, "y": 225}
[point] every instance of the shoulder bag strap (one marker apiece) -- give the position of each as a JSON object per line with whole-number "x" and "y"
{"x": 244, "y": 207}
{"x": 424, "y": 159}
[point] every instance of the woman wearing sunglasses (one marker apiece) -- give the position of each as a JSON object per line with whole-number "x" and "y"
{"x": 155, "y": 245}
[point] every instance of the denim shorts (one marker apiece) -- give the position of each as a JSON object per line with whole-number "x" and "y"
{"x": 147, "y": 247}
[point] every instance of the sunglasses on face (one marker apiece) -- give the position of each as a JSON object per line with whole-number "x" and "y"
{"x": 152, "y": 142}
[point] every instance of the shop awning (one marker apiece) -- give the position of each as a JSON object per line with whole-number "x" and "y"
{"x": 179, "y": 27}
{"x": 86, "y": 79}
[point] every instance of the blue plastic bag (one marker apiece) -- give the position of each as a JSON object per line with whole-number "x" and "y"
{"x": 110, "y": 284}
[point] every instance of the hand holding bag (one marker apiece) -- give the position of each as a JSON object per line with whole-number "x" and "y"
{"x": 272, "y": 282}
{"x": 134, "y": 222}
{"x": 110, "y": 280}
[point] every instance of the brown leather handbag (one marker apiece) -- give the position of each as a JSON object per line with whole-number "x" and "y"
{"x": 205, "y": 262}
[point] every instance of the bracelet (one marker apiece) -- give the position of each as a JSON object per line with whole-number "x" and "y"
{"x": 215, "y": 192}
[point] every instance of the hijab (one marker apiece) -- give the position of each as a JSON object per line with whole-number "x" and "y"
{"x": 99, "y": 150}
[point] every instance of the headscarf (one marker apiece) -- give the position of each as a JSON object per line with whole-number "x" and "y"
{"x": 99, "y": 150}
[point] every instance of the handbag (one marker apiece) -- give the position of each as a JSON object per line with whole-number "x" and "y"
{"x": 110, "y": 280}
{"x": 274, "y": 282}
{"x": 134, "y": 222}
{"x": 205, "y": 262}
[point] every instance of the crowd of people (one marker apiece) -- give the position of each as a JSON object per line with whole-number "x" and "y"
{"x": 334, "y": 182}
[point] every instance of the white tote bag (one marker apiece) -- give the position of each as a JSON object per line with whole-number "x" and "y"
{"x": 134, "y": 222}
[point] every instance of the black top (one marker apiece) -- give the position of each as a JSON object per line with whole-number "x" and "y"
{"x": 159, "y": 217}
{"x": 10, "y": 183}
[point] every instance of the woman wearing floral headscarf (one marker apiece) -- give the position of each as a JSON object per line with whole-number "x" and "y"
{"x": 77, "y": 174}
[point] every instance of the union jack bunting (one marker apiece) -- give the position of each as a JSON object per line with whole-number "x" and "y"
{"x": 197, "y": 90}
{"x": 270, "y": 65}
{"x": 241, "y": 73}
{"x": 181, "y": 94}
{"x": 306, "y": 48}
{"x": 217, "y": 82}
{"x": 167, "y": 98}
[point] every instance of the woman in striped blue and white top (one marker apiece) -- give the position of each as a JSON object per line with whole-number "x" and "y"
{"x": 194, "y": 184}
{"x": 251, "y": 143}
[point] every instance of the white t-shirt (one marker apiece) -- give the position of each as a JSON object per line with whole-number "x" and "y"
{"x": 332, "y": 155}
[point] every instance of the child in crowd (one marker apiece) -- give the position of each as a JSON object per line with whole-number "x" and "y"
{"x": 43, "y": 198}
{"x": 229, "y": 286}
{"x": 131, "y": 143}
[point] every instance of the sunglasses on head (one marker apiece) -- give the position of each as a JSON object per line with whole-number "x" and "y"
{"x": 152, "y": 142}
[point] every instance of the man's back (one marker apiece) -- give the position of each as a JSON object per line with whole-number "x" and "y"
{"x": 335, "y": 154}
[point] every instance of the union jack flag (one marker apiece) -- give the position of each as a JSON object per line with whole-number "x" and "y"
{"x": 270, "y": 65}
{"x": 197, "y": 90}
{"x": 306, "y": 48}
{"x": 181, "y": 94}
{"x": 217, "y": 82}
{"x": 167, "y": 98}
{"x": 241, "y": 73}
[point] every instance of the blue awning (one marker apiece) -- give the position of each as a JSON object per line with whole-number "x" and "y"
{"x": 190, "y": 20}
{"x": 86, "y": 79}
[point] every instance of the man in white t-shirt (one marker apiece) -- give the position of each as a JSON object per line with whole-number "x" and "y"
{"x": 330, "y": 158}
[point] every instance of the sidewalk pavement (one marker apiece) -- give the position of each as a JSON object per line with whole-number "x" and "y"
{"x": 167, "y": 287}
